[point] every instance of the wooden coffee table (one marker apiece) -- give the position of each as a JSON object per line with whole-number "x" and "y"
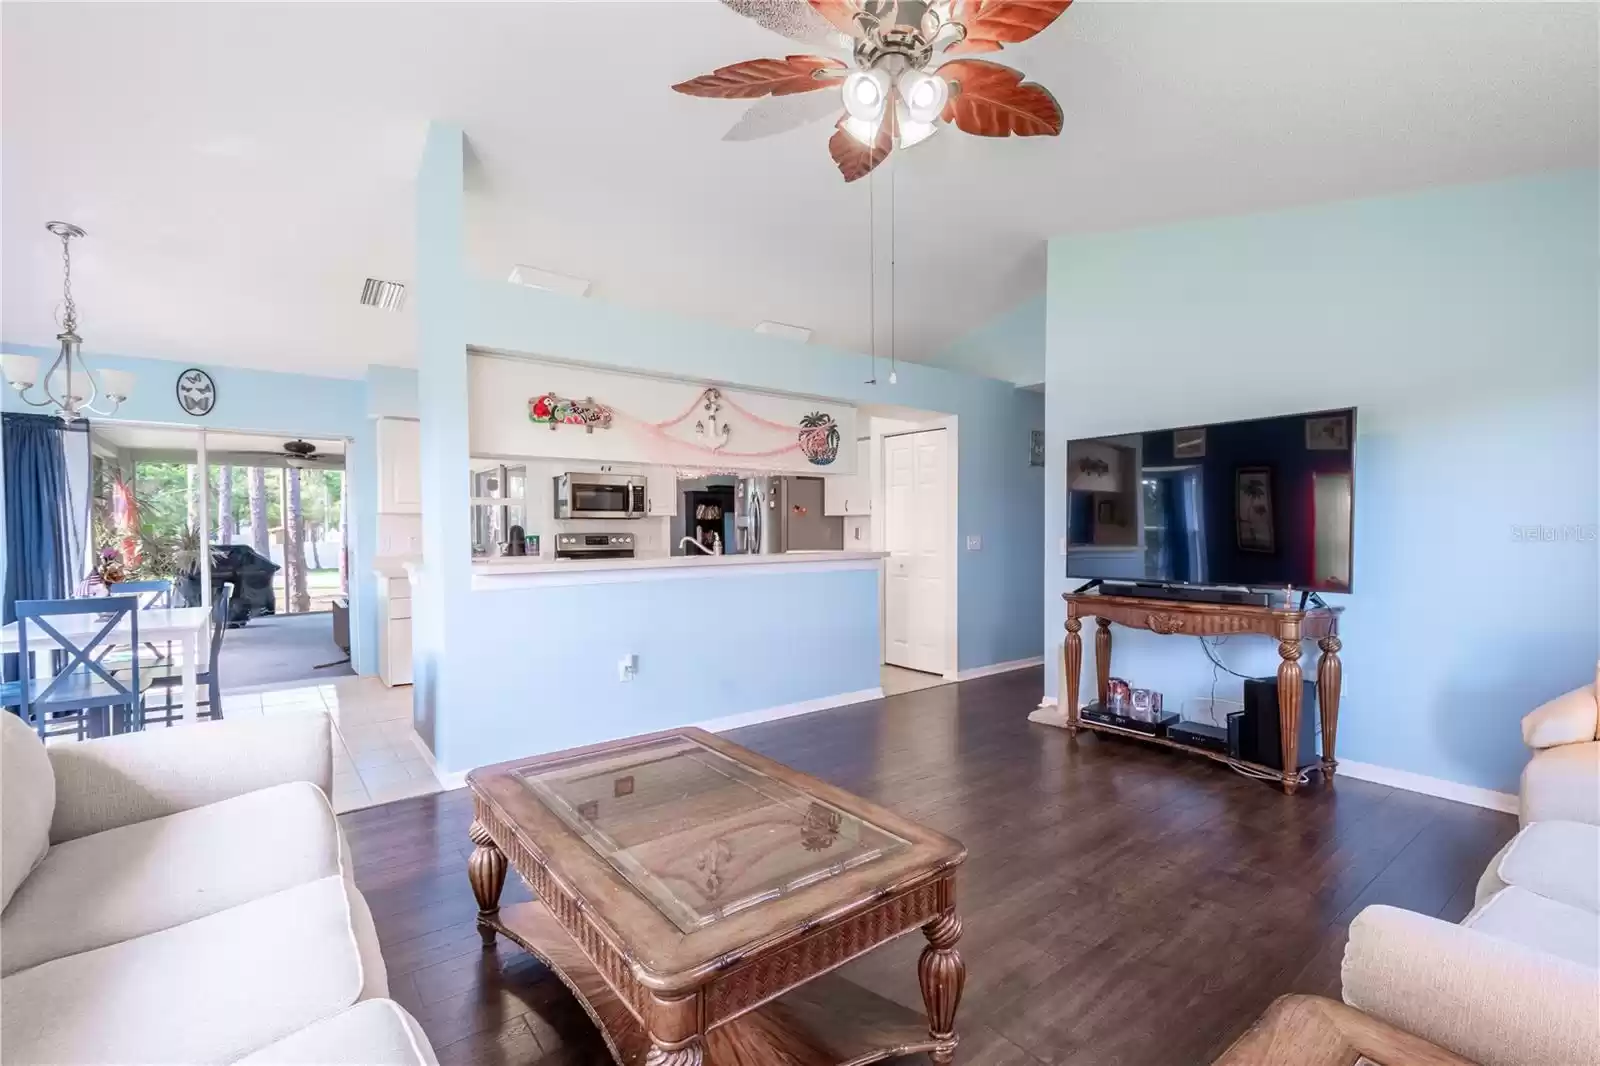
{"x": 695, "y": 897}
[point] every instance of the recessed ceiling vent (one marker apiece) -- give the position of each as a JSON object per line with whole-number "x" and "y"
{"x": 388, "y": 295}
{"x": 782, "y": 329}
{"x": 535, "y": 278}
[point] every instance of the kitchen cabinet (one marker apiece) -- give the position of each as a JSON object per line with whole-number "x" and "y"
{"x": 851, "y": 494}
{"x": 399, "y": 466}
{"x": 394, "y": 629}
{"x": 661, "y": 493}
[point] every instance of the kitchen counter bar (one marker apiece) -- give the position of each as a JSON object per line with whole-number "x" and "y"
{"x": 503, "y": 573}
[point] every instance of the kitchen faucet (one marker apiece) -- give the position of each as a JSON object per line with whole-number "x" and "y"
{"x": 697, "y": 544}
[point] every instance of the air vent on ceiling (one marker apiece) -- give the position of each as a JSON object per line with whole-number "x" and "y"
{"x": 549, "y": 280}
{"x": 389, "y": 295}
{"x": 778, "y": 329}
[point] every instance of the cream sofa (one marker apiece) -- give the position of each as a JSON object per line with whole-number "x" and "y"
{"x": 186, "y": 896}
{"x": 1517, "y": 983}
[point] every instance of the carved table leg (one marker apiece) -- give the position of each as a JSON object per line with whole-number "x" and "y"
{"x": 1102, "y": 658}
{"x": 1289, "y": 712}
{"x": 486, "y": 869}
{"x": 1329, "y": 679}
{"x": 674, "y": 1028}
{"x": 1071, "y": 673}
{"x": 942, "y": 974}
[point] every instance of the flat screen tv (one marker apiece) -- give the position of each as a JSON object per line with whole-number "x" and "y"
{"x": 1265, "y": 503}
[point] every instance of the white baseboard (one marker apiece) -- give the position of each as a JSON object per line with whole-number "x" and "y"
{"x": 446, "y": 781}
{"x": 449, "y": 781}
{"x": 997, "y": 668}
{"x": 790, "y": 710}
{"x": 1429, "y": 786}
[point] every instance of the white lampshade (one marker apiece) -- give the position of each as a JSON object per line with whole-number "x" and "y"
{"x": 925, "y": 95}
{"x": 116, "y": 383}
{"x": 20, "y": 370}
{"x": 866, "y": 94}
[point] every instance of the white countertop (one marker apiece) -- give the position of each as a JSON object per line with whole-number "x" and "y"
{"x": 506, "y": 572}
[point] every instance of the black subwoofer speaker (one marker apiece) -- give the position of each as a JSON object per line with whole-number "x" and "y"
{"x": 1259, "y": 738}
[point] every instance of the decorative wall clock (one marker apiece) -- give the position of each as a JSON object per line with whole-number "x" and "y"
{"x": 197, "y": 393}
{"x": 886, "y": 65}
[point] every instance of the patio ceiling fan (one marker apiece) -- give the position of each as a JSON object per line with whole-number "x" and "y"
{"x": 303, "y": 455}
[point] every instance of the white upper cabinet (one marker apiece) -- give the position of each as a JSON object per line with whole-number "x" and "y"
{"x": 662, "y": 492}
{"x": 399, "y": 466}
{"x": 851, "y": 494}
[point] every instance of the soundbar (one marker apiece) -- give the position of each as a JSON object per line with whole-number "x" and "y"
{"x": 1189, "y": 593}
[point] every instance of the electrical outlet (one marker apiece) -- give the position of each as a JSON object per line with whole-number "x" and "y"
{"x": 974, "y": 542}
{"x": 627, "y": 667}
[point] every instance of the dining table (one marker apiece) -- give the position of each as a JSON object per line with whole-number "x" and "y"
{"x": 184, "y": 626}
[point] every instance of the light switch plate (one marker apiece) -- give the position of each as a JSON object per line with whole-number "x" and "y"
{"x": 974, "y": 542}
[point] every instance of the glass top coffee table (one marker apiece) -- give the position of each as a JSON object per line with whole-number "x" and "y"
{"x": 695, "y": 897}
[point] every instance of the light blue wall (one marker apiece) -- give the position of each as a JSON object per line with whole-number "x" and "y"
{"x": 1009, "y": 346}
{"x": 266, "y": 402}
{"x": 391, "y": 392}
{"x": 544, "y": 660}
{"x": 1462, "y": 322}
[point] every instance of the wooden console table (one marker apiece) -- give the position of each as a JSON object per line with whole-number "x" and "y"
{"x": 1177, "y": 617}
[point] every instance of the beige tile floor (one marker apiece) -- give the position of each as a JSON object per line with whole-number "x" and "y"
{"x": 896, "y": 680}
{"x": 376, "y": 756}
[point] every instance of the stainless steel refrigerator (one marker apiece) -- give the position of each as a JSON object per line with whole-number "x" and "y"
{"x": 783, "y": 514}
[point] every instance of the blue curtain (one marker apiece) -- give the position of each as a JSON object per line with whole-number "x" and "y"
{"x": 39, "y": 519}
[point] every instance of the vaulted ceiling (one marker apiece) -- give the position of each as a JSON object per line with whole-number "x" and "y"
{"x": 242, "y": 168}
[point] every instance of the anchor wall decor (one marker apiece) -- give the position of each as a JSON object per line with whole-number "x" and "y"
{"x": 711, "y": 426}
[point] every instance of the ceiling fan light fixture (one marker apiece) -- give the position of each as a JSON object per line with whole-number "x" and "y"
{"x": 862, "y": 130}
{"x": 925, "y": 95}
{"x": 866, "y": 92}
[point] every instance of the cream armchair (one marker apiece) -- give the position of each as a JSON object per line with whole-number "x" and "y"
{"x": 1517, "y": 983}
{"x": 1562, "y": 780}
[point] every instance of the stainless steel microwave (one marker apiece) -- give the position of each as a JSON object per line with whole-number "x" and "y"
{"x": 600, "y": 496}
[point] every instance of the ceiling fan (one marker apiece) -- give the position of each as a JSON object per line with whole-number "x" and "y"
{"x": 302, "y": 454}
{"x": 897, "y": 84}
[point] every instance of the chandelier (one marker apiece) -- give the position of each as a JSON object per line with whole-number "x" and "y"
{"x": 891, "y": 72}
{"x": 68, "y": 386}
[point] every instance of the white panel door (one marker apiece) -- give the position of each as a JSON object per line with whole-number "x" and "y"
{"x": 916, "y": 536}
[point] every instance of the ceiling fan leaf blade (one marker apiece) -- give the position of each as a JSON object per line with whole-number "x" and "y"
{"x": 841, "y": 14}
{"x": 773, "y": 115}
{"x": 972, "y": 46}
{"x": 794, "y": 19}
{"x": 990, "y": 100}
{"x": 856, "y": 160}
{"x": 764, "y": 77}
{"x": 1007, "y": 21}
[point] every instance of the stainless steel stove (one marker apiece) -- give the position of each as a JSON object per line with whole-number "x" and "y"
{"x": 594, "y": 545}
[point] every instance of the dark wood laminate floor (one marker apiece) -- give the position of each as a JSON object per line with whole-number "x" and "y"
{"x": 1123, "y": 906}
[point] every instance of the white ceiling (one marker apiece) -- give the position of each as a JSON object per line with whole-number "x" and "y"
{"x": 242, "y": 168}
